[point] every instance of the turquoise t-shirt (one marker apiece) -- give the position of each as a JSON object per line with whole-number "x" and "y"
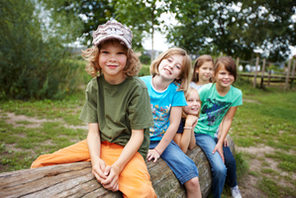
{"x": 161, "y": 104}
{"x": 214, "y": 107}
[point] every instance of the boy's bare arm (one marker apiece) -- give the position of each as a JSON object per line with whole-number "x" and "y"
{"x": 94, "y": 147}
{"x": 113, "y": 171}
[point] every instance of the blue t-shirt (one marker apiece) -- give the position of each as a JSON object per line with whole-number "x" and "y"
{"x": 214, "y": 107}
{"x": 161, "y": 103}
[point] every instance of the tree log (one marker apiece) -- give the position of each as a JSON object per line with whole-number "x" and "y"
{"x": 76, "y": 180}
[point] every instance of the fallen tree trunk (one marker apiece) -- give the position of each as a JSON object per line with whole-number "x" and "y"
{"x": 76, "y": 180}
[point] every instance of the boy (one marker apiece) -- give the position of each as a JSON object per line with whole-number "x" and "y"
{"x": 118, "y": 114}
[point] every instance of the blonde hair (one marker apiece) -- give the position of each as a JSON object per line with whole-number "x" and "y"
{"x": 91, "y": 55}
{"x": 187, "y": 93}
{"x": 186, "y": 70}
{"x": 198, "y": 63}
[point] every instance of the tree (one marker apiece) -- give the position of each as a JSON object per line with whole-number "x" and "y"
{"x": 235, "y": 28}
{"x": 142, "y": 16}
{"x": 88, "y": 13}
{"x": 31, "y": 60}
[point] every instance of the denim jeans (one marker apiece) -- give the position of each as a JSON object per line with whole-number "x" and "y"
{"x": 218, "y": 168}
{"x": 182, "y": 166}
{"x": 230, "y": 165}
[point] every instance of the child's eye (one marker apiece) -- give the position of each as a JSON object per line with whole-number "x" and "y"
{"x": 178, "y": 66}
{"x": 121, "y": 53}
{"x": 104, "y": 52}
{"x": 190, "y": 100}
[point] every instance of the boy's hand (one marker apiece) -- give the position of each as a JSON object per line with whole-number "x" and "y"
{"x": 152, "y": 155}
{"x": 98, "y": 169}
{"x": 112, "y": 174}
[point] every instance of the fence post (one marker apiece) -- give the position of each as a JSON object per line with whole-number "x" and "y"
{"x": 293, "y": 74}
{"x": 262, "y": 73}
{"x": 269, "y": 74}
{"x": 288, "y": 74}
{"x": 255, "y": 75}
{"x": 237, "y": 62}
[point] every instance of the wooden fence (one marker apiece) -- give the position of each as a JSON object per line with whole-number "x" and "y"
{"x": 265, "y": 76}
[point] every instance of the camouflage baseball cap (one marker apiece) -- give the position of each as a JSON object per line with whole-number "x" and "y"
{"x": 113, "y": 30}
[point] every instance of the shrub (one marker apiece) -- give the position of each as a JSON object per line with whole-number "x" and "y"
{"x": 32, "y": 64}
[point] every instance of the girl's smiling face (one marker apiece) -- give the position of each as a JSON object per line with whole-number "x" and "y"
{"x": 205, "y": 72}
{"x": 170, "y": 68}
{"x": 223, "y": 77}
{"x": 193, "y": 103}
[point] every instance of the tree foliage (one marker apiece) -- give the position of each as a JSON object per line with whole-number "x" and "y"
{"x": 142, "y": 16}
{"x": 87, "y": 13}
{"x": 235, "y": 28}
{"x": 31, "y": 60}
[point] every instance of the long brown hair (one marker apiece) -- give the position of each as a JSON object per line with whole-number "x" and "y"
{"x": 198, "y": 63}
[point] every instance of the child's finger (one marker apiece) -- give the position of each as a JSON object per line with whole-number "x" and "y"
{"x": 214, "y": 151}
{"x": 107, "y": 170}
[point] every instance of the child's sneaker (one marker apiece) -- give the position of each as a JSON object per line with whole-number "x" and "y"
{"x": 235, "y": 193}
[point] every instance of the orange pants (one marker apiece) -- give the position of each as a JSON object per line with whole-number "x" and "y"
{"x": 134, "y": 180}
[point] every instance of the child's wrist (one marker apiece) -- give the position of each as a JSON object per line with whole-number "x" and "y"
{"x": 188, "y": 128}
{"x": 157, "y": 151}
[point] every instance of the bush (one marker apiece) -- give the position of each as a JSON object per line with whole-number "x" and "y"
{"x": 32, "y": 65}
{"x": 145, "y": 58}
{"x": 145, "y": 70}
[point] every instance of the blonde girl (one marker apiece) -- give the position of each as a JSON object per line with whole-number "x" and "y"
{"x": 170, "y": 77}
{"x": 185, "y": 135}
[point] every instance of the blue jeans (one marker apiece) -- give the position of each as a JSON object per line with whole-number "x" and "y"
{"x": 182, "y": 166}
{"x": 230, "y": 165}
{"x": 218, "y": 168}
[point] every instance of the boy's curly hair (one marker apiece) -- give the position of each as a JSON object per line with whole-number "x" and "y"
{"x": 91, "y": 55}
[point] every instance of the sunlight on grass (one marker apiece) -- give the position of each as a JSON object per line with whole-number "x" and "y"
{"x": 266, "y": 119}
{"x": 269, "y": 187}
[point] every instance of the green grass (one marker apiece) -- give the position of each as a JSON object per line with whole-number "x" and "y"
{"x": 266, "y": 118}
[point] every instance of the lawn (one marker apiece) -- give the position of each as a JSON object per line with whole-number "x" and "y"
{"x": 263, "y": 130}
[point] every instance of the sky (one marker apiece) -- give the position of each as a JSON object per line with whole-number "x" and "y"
{"x": 160, "y": 42}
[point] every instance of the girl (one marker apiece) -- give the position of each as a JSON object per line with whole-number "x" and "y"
{"x": 170, "y": 76}
{"x": 219, "y": 102}
{"x": 185, "y": 135}
{"x": 118, "y": 139}
{"x": 203, "y": 71}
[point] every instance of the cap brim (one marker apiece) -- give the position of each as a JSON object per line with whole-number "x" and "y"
{"x": 97, "y": 41}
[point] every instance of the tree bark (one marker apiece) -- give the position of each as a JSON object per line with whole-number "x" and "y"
{"x": 76, "y": 180}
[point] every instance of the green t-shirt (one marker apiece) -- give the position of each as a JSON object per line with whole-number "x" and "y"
{"x": 118, "y": 109}
{"x": 214, "y": 107}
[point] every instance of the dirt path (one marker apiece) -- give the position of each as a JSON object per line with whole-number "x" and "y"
{"x": 248, "y": 185}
